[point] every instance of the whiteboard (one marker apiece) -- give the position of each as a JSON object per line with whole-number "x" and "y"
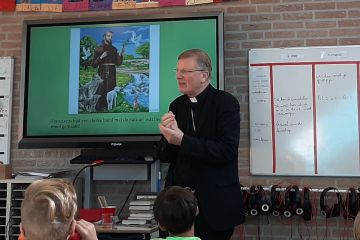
{"x": 304, "y": 111}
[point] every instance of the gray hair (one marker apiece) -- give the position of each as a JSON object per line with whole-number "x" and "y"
{"x": 202, "y": 58}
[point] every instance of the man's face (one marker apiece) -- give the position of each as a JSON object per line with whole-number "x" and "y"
{"x": 108, "y": 38}
{"x": 191, "y": 80}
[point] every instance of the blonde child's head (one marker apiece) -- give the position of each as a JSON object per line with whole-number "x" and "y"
{"x": 48, "y": 210}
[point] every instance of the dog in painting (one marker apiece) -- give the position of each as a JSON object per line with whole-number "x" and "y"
{"x": 87, "y": 94}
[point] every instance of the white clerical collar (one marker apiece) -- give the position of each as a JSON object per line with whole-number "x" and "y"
{"x": 193, "y": 99}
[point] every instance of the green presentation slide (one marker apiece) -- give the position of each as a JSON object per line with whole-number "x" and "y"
{"x": 63, "y": 81}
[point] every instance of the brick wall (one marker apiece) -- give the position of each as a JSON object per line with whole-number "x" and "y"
{"x": 248, "y": 24}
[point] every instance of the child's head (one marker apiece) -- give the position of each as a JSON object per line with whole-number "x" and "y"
{"x": 48, "y": 209}
{"x": 175, "y": 209}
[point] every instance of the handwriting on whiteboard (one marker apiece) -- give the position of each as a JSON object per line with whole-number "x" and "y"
{"x": 326, "y": 78}
{"x": 4, "y": 105}
{"x": 290, "y": 106}
{"x": 287, "y": 126}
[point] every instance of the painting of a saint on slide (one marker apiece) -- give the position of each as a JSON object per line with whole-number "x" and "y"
{"x": 117, "y": 72}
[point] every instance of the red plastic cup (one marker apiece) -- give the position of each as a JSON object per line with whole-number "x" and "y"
{"x": 107, "y": 219}
{"x": 109, "y": 209}
{"x": 107, "y": 216}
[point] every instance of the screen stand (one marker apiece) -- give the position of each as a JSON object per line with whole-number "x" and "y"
{"x": 128, "y": 155}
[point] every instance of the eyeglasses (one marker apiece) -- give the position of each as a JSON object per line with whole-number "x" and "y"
{"x": 187, "y": 71}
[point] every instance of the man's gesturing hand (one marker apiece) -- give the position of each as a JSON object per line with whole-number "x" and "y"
{"x": 169, "y": 128}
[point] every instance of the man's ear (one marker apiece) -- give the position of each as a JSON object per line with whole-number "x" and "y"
{"x": 205, "y": 75}
{"x": 197, "y": 211}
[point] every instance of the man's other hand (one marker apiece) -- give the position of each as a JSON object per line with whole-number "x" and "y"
{"x": 168, "y": 120}
{"x": 172, "y": 134}
{"x": 169, "y": 128}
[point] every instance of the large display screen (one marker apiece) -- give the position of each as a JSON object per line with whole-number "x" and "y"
{"x": 106, "y": 82}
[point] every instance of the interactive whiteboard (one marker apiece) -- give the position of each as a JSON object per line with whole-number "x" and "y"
{"x": 304, "y": 111}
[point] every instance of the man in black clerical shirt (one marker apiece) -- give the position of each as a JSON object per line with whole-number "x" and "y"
{"x": 200, "y": 141}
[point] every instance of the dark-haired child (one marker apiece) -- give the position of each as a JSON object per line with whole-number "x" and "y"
{"x": 175, "y": 210}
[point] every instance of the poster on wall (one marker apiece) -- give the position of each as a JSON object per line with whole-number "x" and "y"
{"x": 7, "y": 5}
{"x": 51, "y": 5}
{"x": 28, "y": 5}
